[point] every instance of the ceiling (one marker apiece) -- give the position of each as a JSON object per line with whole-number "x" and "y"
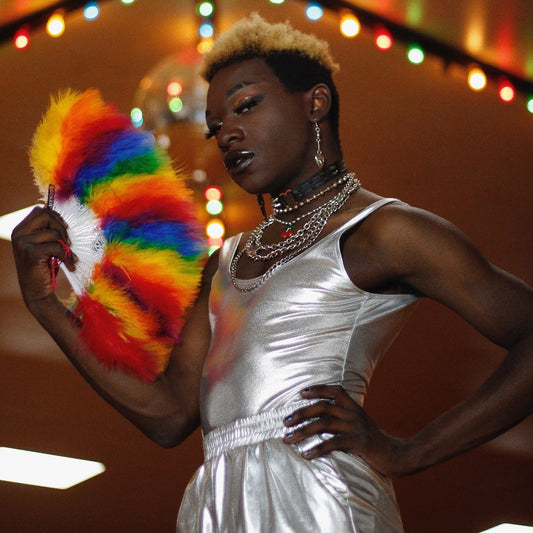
{"x": 412, "y": 132}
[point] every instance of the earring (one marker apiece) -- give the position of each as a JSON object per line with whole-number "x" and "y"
{"x": 320, "y": 158}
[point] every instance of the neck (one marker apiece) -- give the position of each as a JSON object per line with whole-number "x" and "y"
{"x": 305, "y": 190}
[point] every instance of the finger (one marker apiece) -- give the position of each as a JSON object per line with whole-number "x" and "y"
{"x": 331, "y": 392}
{"x": 309, "y": 411}
{"x": 69, "y": 257}
{"x": 336, "y": 393}
{"x": 41, "y": 219}
{"x": 56, "y": 222}
{"x": 318, "y": 426}
{"x": 27, "y": 223}
{"x": 338, "y": 401}
{"x": 34, "y": 251}
{"x": 335, "y": 443}
{"x": 323, "y": 409}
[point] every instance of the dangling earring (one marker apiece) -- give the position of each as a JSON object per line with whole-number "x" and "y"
{"x": 261, "y": 202}
{"x": 320, "y": 158}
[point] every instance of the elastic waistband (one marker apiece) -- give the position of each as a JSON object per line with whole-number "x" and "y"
{"x": 249, "y": 430}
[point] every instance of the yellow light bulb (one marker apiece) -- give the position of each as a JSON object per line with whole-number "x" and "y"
{"x": 55, "y": 25}
{"x": 350, "y": 25}
{"x": 215, "y": 229}
{"x": 477, "y": 79}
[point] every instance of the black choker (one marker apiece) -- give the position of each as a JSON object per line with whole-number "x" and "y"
{"x": 309, "y": 186}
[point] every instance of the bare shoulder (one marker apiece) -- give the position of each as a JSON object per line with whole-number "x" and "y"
{"x": 401, "y": 230}
{"x": 408, "y": 247}
{"x": 429, "y": 255}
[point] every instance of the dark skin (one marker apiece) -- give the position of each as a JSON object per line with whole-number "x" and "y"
{"x": 253, "y": 118}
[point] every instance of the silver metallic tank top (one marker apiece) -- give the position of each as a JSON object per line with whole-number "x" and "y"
{"x": 306, "y": 325}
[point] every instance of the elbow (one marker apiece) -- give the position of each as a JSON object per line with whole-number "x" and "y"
{"x": 170, "y": 433}
{"x": 168, "y": 440}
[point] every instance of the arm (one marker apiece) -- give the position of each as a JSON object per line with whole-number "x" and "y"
{"x": 432, "y": 257}
{"x": 166, "y": 410}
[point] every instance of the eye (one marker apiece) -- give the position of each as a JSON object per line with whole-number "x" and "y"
{"x": 244, "y": 104}
{"x": 213, "y": 127}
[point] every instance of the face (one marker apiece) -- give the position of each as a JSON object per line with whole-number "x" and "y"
{"x": 264, "y": 132}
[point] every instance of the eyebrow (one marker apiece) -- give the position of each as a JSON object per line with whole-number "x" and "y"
{"x": 237, "y": 87}
{"x": 233, "y": 90}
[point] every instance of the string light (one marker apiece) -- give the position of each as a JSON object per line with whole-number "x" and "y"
{"x": 387, "y": 32}
{"x": 136, "y": 116}
{"x": 206, "y": 30}
{"x": 415, "y": 54}
{"x": 314, "y": 11}
{"x": 206, "y": 27}
{"x": 383, "y": 38}
{"x": 205, "y": 9}
{"x": 214, "y": 207}
{"x": 91, "y": 11}
{"x": 174, "y": 88}
{"x": 506, "y": 91}
{"x": 215, "y": 228}
{"x": 349, "y": 24}
{"x": 55, "y": 25}
{"x": 175, "y": 104}
{"x": 22, "y": 38}
{"x": 214, "y": 242}
{"x": 213, "y": 193}
{"x": 204, "y": 46}
{"x": 476, "y": 79}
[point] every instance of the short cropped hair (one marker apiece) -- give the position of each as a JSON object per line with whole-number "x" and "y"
{"x": 299, "y": 60}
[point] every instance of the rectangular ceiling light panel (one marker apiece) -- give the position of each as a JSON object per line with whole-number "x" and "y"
{"x": 45, "y": 470}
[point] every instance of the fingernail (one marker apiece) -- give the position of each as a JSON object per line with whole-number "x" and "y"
{"x": 290, "y": 434}
{"x": 307, "y": 453}
{"x": 288, "y": 418}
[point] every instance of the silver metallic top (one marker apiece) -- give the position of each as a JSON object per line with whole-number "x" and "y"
{"x": 307, "y": 325}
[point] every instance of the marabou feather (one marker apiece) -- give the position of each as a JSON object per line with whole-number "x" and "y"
{"x": 146, "y": 244}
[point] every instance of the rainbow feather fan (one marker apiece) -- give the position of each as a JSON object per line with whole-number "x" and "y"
{"x": 133, "y": 225}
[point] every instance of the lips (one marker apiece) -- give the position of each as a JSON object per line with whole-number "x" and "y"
{"x": 236, "y": 162}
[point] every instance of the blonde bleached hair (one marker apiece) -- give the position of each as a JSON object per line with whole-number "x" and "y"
{"x": 255, "y": 37}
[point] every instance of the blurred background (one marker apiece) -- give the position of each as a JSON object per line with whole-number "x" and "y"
{"x": 413, "y": 131}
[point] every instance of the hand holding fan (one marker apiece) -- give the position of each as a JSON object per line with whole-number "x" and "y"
{"x": 132, "y": 223}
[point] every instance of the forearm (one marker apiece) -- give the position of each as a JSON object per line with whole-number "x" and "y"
{"x": 504, "y": 400}
{"x": 153, "y": 407}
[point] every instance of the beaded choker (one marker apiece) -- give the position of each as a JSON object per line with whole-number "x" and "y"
{"x": 303, "y": 192}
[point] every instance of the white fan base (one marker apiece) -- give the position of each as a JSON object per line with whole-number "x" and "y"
{"x": 87, "y": 241}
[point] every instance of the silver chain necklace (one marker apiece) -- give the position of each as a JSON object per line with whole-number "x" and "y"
{"x": 292, "y": 245}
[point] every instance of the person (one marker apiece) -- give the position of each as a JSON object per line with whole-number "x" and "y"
{"x": 291, "y": 318}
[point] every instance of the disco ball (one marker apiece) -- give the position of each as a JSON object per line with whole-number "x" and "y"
{"x": 173, "y": 92}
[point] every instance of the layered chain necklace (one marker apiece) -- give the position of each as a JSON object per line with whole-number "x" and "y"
{"x": 293, "y": 242}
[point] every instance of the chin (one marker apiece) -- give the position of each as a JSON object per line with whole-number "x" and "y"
{"x": 248, "y": 184}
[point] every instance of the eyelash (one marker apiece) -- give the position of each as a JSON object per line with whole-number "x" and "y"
{"x": 243, "y": 105}
{"x": 211, "y": 132}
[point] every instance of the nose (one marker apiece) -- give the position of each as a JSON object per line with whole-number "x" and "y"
{"x": 229, "y": 133}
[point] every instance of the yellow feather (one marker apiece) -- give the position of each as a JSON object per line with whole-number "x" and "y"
{"x": 47, "y": 141}
{"x": 136, "y": 323}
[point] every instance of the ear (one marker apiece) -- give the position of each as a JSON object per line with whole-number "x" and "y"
{"x": 319, "y": 97}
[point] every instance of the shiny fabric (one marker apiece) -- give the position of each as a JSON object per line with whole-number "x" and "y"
{"x": 307, "y": 325}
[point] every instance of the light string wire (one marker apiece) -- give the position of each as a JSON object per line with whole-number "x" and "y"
{"x": 449, "y": 54}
